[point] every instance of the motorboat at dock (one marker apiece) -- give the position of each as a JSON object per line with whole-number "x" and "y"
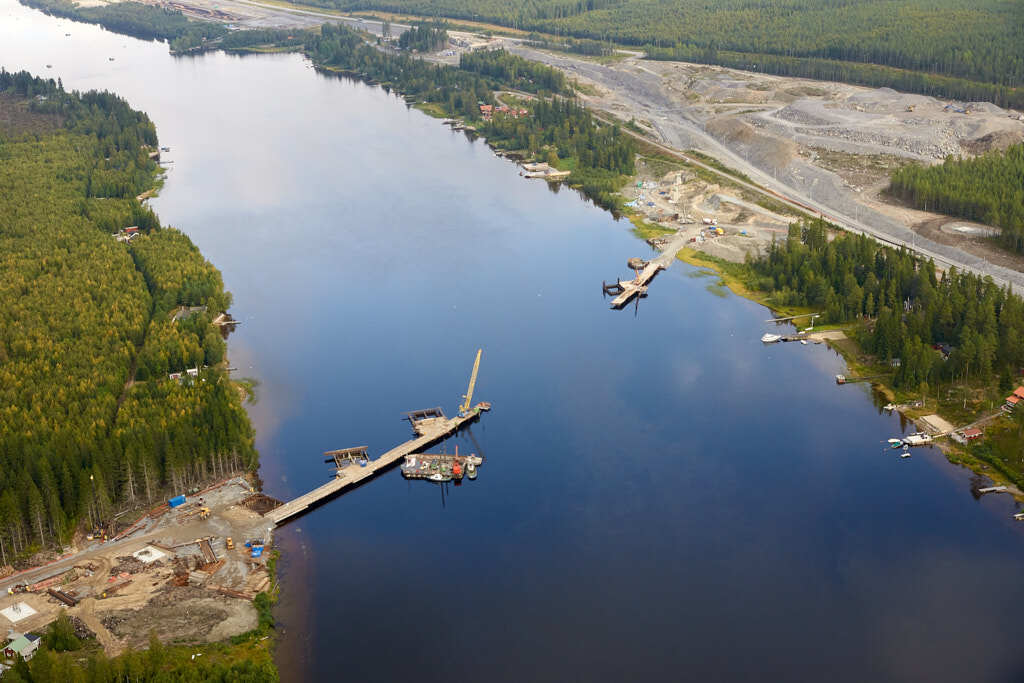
{"x": 440, "y": 467}
{"x": 918, "y": 439}
{"x": 770, "y": 338}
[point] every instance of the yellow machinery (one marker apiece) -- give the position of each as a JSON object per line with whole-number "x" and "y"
{"x": 464, "y": 408}
{"x": 229, "y": 543}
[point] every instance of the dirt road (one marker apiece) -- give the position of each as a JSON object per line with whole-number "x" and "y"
{"x": 634, "y": 90}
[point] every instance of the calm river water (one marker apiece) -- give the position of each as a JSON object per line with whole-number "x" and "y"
{"x": 664, "y": 498}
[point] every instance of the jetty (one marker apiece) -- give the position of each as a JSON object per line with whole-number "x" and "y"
{"x": 645, "y": 272}
{"x": 993, "y": 489}
{"x": 794, "y": 317}
{"x": 353, "y": 466}
{"x": 843, "y": 379}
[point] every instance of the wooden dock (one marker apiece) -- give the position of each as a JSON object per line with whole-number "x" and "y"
{"x": 638, "y": 285}
{"x": 430, "y": 426}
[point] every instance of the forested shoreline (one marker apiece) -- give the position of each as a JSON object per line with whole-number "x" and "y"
{"x": 556, "y": 129}
{"x": 182, "y": 34}
{"x": 92, "y": 423}
{"x": 953, "y": 341}
{"x": 988, "y": 189}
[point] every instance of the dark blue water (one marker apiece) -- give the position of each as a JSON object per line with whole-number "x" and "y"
{"x": 663, "y": 497}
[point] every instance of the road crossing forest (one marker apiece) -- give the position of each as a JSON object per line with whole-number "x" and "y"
{"x": 90, "y": 421}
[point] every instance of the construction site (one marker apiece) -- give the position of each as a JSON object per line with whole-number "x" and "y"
{"x": 190, "y": 569}
{"x": 709, "y": 217}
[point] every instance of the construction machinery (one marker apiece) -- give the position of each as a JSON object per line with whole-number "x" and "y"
{"x": 464, "y": 408}
{"x": 229, "y": 543}
{"x": 202, "y": 511}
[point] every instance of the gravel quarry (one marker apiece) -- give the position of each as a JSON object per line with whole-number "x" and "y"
{"x": 829, "y": 146}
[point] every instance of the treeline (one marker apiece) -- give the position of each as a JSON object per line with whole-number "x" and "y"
{"x": 560, "y": 129}
{"x": 979, "y": 41}
{"x": 80, "y": 434}
{"x": 581, "y": 46}
{"x": 135, "y": 19}
{"x": 424, "y": 37}
{"x": 988, "y": 189}
{"x": 239, "y": 40}
{"x": 511, "y": 71}
{"x": 853, "y": 277}
{"x": 874, "y": 75}
{"x": 598, "y": 155}
{"x": 456, "y": 92}
{"x": 157, "y": 23}
{"x": 58, "y": 662}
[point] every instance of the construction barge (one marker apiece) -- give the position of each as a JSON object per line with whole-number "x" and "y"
{"x": 441, "y": 467}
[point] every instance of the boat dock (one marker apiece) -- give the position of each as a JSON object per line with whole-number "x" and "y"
{"x": 993, "y": 489}
{"x": 353, "y": 465}
{"x": 645, "y": 272}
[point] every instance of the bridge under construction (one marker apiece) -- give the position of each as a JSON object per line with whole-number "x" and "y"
{"x": 354, "y": 466}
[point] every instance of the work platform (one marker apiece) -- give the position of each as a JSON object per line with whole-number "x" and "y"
{"x": 355, "y": 467}
{"x": 638, "y": 285}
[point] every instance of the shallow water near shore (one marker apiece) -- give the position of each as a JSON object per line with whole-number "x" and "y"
{"x": 663, "y": 497}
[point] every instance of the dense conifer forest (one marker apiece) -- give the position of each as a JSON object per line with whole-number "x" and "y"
{"x": 988, "y": 189}
{"x": 424, "y": 37}
{"x": 853, "y": 278}
{"x": 91, "y": 423}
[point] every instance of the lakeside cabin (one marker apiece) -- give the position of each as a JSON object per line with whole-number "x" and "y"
{"x": 1013, "y": 399}
{"x": 971, "y": 434}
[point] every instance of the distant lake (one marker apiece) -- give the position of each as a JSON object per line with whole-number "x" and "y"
{"x": 663, "y": 498}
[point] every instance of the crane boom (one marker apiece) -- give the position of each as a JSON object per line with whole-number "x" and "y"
{"x": 464, "y": 408}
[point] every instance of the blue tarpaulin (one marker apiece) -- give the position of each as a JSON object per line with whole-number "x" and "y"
{"x": 176, "y": 501}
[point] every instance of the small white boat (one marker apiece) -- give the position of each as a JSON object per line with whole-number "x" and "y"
{"x": 889, "y": 407}
{"x": 437, "y": 476}
{"x": 804, "y": 342}
{"x": 895, "y": 443}
{"x": 771, "y": 338}
{"x": 905, "y": 454}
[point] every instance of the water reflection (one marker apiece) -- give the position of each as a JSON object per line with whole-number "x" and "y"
{"x": 665, "y": 497}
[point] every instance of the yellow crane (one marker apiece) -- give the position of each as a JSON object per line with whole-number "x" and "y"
{"x": 464, "y": 408}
